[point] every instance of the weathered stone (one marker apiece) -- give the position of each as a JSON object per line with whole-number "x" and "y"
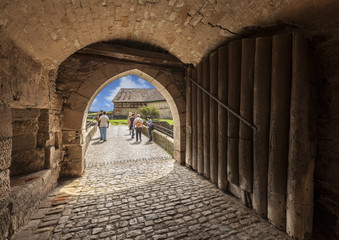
{"x": 71, "y": 136}
{"x": 29, "y": 113}
{"x": 42, "y": 140}
{"x": 74, "y": 168}
{"x": 4, "y": 188}
{"x": 72, "y": 119}
{"x": 161, "y": 139}
{"x": 5, "y": 153}
{"x": 44, "y": 121}
{"x": 4, "y": 220}
{"x": 25, "y": 127}
{"x": 77, "y": 101}
{"x": 24, "y": 142}
{"x": 24, "y": 162}
{"x": 74, "y": 152}
{"x": 5, "y": 121}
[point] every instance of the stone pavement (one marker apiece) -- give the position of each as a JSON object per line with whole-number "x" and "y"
{"x": 136, "y": 191}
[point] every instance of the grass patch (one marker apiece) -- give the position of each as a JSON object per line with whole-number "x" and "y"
{"x": 96, "y": 113}
{"x": 170, "y": 153}
{"x": 118, "y": 121}
{"x": 170, "y": 121}
{"x": 124, "y": 121}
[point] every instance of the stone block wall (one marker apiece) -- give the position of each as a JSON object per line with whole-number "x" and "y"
{"x": 30, "y": 134}
{"x": 162, "y": 106}
{"x": 161, "y": 139}
{"x": 26, "y": 156}
{"x": 187, "y": 29}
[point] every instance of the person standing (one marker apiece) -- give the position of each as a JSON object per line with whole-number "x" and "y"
{"x": 98, "y": 117}
{"x": 150, "y": 127}
{"x": 129, "y": 122}
{"x": 138, "y": 127}
{"x": 103, "y": 124}
{"x": 131, "y": 126}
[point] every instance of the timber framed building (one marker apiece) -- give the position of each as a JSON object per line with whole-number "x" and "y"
{"x": 131, "y": 99}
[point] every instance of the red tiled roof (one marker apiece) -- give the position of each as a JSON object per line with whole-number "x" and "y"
{"x": 138, "y": 95}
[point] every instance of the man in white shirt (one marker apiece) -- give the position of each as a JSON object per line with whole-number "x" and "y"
{"x": 103, "y": 124}
{"x": 138, "y": 127}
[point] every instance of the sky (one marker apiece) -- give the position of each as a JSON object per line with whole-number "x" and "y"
{"x": 103, "y": 101}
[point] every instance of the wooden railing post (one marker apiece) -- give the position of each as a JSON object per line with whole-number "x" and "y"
{"x": 261, "y": 119}
{"x": 213, "y": 121}
{"x": 279, "y": 129}
{"x": 222, "y": 116}
{"x": 234, "y": 80}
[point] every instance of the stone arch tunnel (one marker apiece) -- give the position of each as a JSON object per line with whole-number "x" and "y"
{"x": 253, "y": 86}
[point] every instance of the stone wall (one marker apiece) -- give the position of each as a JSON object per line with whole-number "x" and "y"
{"x": 27, "y": 157}
{"x": 37, "y": 36}
{"x": 28, "y": 94}
{"x": 162, "y": 106}
{"x": 35, "y": 187}
{"x": 161, "y": 139}
{"x": 88, "y": 136}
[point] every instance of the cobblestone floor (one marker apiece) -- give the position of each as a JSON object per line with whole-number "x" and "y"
{"x": 136, "y": 191}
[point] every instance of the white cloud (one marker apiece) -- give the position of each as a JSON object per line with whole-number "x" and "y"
{"x": 94, "y": 106}
{"x": 105, "y": 102}
{"x": 126, "y": 82}
{"x": 142, "y": 82}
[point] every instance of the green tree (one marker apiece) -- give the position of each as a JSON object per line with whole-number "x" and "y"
{"x": 143, "y": 110}
{"x": 151, "y": 111}
{"x": 154, "y": 112}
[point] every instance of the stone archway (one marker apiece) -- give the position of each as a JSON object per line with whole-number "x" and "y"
{"x": 80, "y": 86}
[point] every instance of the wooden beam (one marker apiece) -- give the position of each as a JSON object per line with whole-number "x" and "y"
{"x": 279, "y": 129}
{"x": 222, "y": 116}
{"x": 246, "y": 111}
{"x": 234, "y": 103}
{"x": 199, "y": 120}
{"x": 300, "y": 163}
{"x": 214, "y": 118}
{"x": 189, "y": 118}
{"x": 194, "y": 122}
{"x": 206, "y": 116}
{"x": 130, "y": 55}
{"x": 261, "y": 119}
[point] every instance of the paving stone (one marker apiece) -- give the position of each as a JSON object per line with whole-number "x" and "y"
{"x": 97, "y": 230}
{"x": 123, "y": 195}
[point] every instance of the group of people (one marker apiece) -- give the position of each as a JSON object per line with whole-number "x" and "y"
{"x": 135, "y": 124}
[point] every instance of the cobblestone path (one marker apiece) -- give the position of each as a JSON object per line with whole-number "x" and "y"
{"x": 136, "y": 191}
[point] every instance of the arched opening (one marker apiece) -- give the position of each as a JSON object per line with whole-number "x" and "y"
{"x": 81, "y": 79}
{"x": 149, "y": 79}
{"x": 32, "y": 48}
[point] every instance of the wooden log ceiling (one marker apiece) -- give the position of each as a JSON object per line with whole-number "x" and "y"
{"x": 113, "y": 52}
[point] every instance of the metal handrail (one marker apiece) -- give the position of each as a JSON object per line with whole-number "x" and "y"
{"x": 90, "y": 123}
{"x": 223, "y": 105}
{"x": 162, "y": 129}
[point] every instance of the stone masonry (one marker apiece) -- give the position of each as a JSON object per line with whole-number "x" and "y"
{"x": 38, "y": 38}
